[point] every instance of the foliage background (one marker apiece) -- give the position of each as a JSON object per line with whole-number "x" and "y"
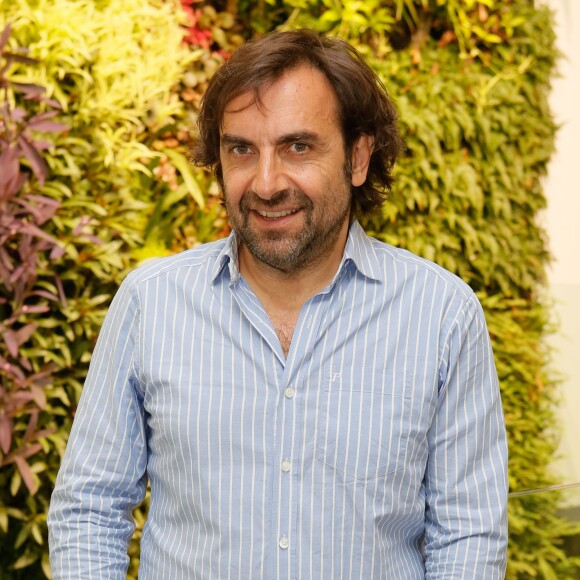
{"x": 105, "y": 183}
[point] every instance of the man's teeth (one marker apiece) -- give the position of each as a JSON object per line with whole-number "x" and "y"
{"x": 276, "y": 214}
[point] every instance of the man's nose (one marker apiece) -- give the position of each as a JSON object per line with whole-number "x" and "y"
{"x": 269, "y": 175}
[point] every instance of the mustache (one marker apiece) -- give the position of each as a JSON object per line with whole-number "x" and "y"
{"x": 296, "y": 197}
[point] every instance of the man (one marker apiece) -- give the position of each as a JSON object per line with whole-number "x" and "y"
{"x": 306, "y": 402}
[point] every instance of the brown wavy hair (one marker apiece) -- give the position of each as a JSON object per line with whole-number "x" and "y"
{"x": 365, "y": 107}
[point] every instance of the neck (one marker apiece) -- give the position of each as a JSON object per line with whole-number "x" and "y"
{"x": 286, "y": 291}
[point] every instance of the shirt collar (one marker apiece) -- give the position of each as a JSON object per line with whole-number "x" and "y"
{"x": 359, "y": 250}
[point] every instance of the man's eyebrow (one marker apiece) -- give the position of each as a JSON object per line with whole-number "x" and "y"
{"x": 303, "y": 136}
{"x": 227, "y": 139}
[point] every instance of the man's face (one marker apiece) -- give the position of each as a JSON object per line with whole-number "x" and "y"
{"x": 283, "y": 163}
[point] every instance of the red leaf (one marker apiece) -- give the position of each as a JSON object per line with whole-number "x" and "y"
{"x": 13, "y": 56}
{"x": 31, "y": 427}
{"x": 25, "y": 364}
{"x": 29, "y": 89}
{"x": 33, "y": 230}
{"x": 37, "y": 163}
{"x": 45, "y": 294}
{"x": 37, "y": 309}
{"x": 53, "y": 103}
{"x": 60, "y": 287}
{"x": 48, "y": 126}
{"x": 43, "y": 116}
{"x": 29, "y": 450}
{"x": 5, "y": 433}
{"x": 26, "y": 474}
{"x": 43, "y": 377}
{"x": 12, "y": 188}
{"x": 42, "y": 211}
{"x": 42, "y": 145}
{"x": 20, "y": 398}
{"x": 55, "y": 253}
{"x": 17, "y": 114}
{"x": 5, "y": 36}
{"x": 24, "y": 333}
{"x": 44, "y": 433}
{"x": 39, "y": 396}
{"x": 5, "y": 260}
{"x": 44, "y": 200}
{"x": 9, "y": 165}
{"x": 11, "y": 342}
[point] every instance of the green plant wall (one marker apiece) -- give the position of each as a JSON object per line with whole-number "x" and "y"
{"x": 109, "y": 70}
{"x": 471, "y": 80}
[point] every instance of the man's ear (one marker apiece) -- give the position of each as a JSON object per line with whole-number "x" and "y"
{"x": 360, "y": 158}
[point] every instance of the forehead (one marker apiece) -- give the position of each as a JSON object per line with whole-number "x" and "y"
{"x": 300, "y": 96}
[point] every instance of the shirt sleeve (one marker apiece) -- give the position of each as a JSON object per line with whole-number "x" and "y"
{"x": 466, "y": 475}
{"x": 103, "y": 473}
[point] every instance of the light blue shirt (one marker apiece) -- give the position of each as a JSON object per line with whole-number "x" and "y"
{"x": 375, "y": 450}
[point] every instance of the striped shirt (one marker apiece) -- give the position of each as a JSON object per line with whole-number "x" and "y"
{"x": 375, "y": 450}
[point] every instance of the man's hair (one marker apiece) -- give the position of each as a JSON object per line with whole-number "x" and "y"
{"x": 364, "y": 106}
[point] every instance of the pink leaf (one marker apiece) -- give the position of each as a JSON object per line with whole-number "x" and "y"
{"x": 29, "y": 450}
{"x": 5, "y": 433}
{"x": 13, "y": 187}
{"x": 9, "y": 165}
{"x": 53, "y": 103}
{"x": 20, "y": 398}
{"x": 11, "y": 342}
{"x": 25, "y": 364}
{"x": 24, "y": 333}
{"x": 37, "y": 163}
{"x": 61, "y": 292}
{"x": 42, "y": 211}
{"x": 44, "y": 433}
{"x": 33, "y": 230}
{"x": 42, "y": 145}
{"x": 45, "y": 294}
{"x": 5, "y": 36}
{"x": 29, "y": 89}
{"x": 13, "y": 57}
{"x": 17, "y": 114}
{"x": 5, "y": 259}
{"x": 55, "y": 253}
{"x": 38, "y": 309}
{"x": 31, "y": 427}
{"x": 43, "y": 117}
{"x": 48, "y": 126}
{"x": 39, "y": 396}
{"x": 26, "y": 474}
{"x": 48, "y": 201}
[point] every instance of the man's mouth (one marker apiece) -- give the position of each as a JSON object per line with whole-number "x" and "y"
{"x": 276, "y": 214}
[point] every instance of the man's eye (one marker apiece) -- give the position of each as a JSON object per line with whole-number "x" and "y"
{"x": 299, "y": 147}
{"x": 240, "y": 150}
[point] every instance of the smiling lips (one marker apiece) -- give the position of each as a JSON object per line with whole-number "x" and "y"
{"x": 276, "y": 214}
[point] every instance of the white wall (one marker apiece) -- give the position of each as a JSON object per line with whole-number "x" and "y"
{"x": 563, "y": 225}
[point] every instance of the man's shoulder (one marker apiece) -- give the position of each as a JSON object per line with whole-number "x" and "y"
{"x": 202, "y": 256}
{"x": 408, "y": 264}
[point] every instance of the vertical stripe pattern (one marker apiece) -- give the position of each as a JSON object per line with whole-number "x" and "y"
{"x": 376, "y": 449}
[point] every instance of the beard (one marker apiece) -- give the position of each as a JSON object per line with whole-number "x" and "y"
{"x": 291, "y": 252}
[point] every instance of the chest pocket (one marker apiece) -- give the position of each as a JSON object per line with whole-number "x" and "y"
{"x": 365, "y": 422}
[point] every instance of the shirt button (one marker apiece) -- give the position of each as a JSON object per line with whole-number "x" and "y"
{"x": 286, "y": 466}
{"x": 289, "y": 392}
{"x": 284, "y": 543}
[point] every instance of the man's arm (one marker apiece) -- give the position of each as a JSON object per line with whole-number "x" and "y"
{"x": 102, "y": 477}
{"x": 466, "y": 476}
